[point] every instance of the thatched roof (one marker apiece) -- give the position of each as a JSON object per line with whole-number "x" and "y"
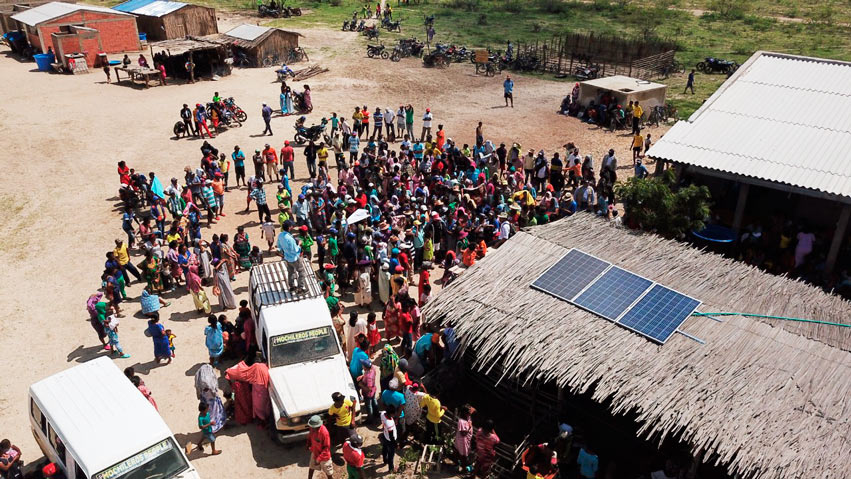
{"x": 179, "y": 46}
{"x": 771, "y": 398}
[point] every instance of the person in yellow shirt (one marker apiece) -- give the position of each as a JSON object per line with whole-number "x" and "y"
{"x": 124, "y": 264}
{"x": 434, "y": 412}
{"x": 224, "y": 167}
{"x": 637, "y": 143}
{"x": 637, "y": 112}
{"x": 341, "y": 417}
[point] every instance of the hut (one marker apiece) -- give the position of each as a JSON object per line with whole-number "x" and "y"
{"x": 624, "y": 89}
{"x": 115, "y": 31}
{"x": 762, "y": 397}
{"x": 164, "y": 20}
{"x": 771, "y": 142}
{"x": 191, "y": 58}
{"x": 257, "y": 43}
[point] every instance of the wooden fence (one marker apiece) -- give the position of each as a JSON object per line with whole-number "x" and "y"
{"x": 643, "y": 59}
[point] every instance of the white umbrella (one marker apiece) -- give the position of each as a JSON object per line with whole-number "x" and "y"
{"x": 357, "y": 216}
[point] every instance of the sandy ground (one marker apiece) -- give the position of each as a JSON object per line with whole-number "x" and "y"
{"x": 61, "y": 139}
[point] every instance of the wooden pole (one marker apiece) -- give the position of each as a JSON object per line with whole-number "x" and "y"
{"x": 838, "y": 237}
{"x": 740, "y": 207}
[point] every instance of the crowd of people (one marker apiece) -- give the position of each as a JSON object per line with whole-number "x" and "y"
{"x": 400, "y": 207}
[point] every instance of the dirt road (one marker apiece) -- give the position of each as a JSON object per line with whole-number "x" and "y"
{"x": 62, "y": 137}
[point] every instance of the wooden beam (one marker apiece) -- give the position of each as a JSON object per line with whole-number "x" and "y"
{"x": 740, "y": 206}
{"x": 838, "y": 237}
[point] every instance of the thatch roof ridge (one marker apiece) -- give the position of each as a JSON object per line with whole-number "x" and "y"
{"x": 767, "y": 397}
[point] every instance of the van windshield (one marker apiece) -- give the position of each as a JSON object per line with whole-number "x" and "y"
{"x": 160, "y": 461}
{"x": 302, "y": 346}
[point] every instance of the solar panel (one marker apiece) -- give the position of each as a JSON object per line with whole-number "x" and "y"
{"x": 613, "y": 293}
{"x": 570, "y": 275}
{"x": 659, "y": 313}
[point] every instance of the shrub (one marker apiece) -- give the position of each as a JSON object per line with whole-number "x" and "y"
{"x": 730, "y": 9}
{"x": 552, "y": 6}
{"x": 513, "y": 6}
{"x": 655, "y": 204}
{"x": 336, "y": 3}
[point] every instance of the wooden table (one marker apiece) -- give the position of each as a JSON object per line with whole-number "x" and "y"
{"x": 135, "y": 73}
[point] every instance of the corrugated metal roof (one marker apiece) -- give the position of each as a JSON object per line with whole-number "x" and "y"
{"x": 780, "y": 118}
{"x": 159, "y": 8}
{"x": 247, "y": 32}
{"x": 131, "y": 5}
{"x": 150, "y": 8}
{"x": 52, "y": 10}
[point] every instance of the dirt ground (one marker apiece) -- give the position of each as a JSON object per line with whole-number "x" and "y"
{"x": 61, "y": 139}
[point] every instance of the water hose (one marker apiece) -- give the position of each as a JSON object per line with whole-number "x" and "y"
{"x": 800, "y": 320}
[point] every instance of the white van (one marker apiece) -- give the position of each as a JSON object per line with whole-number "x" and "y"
{"x": 94, "y": 424}
{"x": 298, "y": 340}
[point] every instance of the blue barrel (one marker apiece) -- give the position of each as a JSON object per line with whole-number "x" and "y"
{"x": 43, "y": 60}
{"x": 143, "y": 37}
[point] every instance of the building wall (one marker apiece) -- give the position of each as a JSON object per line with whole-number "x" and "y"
{"x": 152, "y": 26}
{"x": 278, "y": 43}
{"x": 118, "y": 33}
{"x": 88, "y": 42}
{"x": 191, "y": 20}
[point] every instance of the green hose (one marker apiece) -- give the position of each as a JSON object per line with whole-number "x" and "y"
{"x": 800, "y": 320}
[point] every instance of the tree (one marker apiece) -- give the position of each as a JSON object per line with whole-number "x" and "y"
{"x": 657, "y": 204}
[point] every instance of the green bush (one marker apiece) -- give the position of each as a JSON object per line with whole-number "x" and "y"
{"x": 552, "y": 6}
{"x": 336, "y": 3}
{"x": 730, "y": 9}
{"x": 656, "y": 204}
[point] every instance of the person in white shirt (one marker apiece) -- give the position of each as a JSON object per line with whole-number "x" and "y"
{"x": 389, "y": 116}
{"x": 388, "y": 435}
{"x": 427, "y": 118}
{"x": 400, "y": 121}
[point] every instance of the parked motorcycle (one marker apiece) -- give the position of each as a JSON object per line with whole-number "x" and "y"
{"x": 293, "y": 11}
{"x": 231, "y": 106}
{"x": 713, "y": 65}
{"x": 391, "y": 26}
{"x": 397, "y": 54}
{"x": 588, "y": 72}
{"x": 266, "y": 11}
{"x": 312, "y": 133}
{"x": 346, "y": 26}
{"x": 361, "y": 26}
{"x": 284, "y": 72}
{"x": 371, "y": 32}
{"x": 379, "y": 50}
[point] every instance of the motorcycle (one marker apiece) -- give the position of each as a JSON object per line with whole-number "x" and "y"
{"x": 373, "y": 51}
{"x": 397, "y": 54}
{"x": 226, "y": 116}
{"x": 588, "y": 72}
{"x": 299, "y": 103}
{"x": 712, "y": 65}
{"x": 265, "y": 11}
{"x": 361, "y": 26}
{"x": 232, "y": 107}
{"x": 429, "y": 20}
{"x": 371, "y": 32}
{"x": 391, "y": 26}
{"x": 345, "y": 25}
{"x": 293, "y": 11}
{"x": 313, "y": 133}
{"x": 284, "y": 72}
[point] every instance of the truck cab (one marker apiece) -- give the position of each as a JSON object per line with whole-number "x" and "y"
{"x": 297, "y": 339}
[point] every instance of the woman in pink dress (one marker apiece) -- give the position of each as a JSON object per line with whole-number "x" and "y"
{"x": 464, "y": 437}
{"x": 137, "y": 381}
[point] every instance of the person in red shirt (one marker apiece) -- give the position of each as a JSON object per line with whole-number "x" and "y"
{"x": 270, "y": 157}
{"x": 287, "y": 159}
{"x": 319, "y": 444}
{"x": 406, "y": 324}
{"x": 365, "y": 122}
{"x": 441, "y": 137}
{"x": 353, "y": 454}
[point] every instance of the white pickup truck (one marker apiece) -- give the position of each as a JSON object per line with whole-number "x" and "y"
{"x": 298, "y": 341}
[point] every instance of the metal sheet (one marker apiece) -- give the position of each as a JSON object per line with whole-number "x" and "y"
{"x": 784, "y": 119}
{"x": 247, "y": 32}
{"x": 53, "y": 10}
{"x": 158, "y": 8}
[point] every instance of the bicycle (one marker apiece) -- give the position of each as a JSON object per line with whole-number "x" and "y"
{"x": 271, "y": 60}
{"x": 296, "y": 55}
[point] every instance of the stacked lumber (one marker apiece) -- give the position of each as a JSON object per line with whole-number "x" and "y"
{"x": 308, "y": 72}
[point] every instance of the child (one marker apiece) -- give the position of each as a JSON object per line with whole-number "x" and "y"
{"x": 463, "y": 438}
{"x": 372, "y": 334}
{"x": 425, "y": 296}
{"x": 320, "y": 249}
{"x": 353, "y": 454}
{"x": 256, "y": 257}
{"x": 366, "y": 382}
{"x": 206, "y": 425}
{"x": 306, "y": 242}
{"x": 111, "y": 324}
{"x": 267, "y": 230}
{"x": 170, "y": 337}
{"x": 406, "y": 325}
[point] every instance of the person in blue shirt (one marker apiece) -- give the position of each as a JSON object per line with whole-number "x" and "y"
{"x": 392, "y": 396}
{"x": 508, "y": 88}
{"x": 640, "y": 170}
{"x": 291, "y": 252}
{"x": 238, "y": 158}
{"x": 360, "y": 360}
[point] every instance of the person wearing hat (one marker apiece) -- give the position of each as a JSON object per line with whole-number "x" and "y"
{"x": 354, "y": 457}
{"x": 289, "y": 249}
{"x": 301, "y": 209}
{"x": 306, "y": 241}
{"x": 259, "y": 196}
{"x": 319, "y": 444}
{"x": 185, "y": 115}
{"x": 210, "y": 200}
{"x": 270, "y": 158}
{"x": 257, "y": 159}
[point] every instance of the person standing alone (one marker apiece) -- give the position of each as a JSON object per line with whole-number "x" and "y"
{"x": 267, "y": 118}
{"x": 508, "y": 90}
{"x": 690, "y": 83}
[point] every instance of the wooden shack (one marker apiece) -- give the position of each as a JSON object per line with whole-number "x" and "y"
{"x": 165, "y": 20}
{"x": 191, "y": 58}
{"x": 258, "y": 42}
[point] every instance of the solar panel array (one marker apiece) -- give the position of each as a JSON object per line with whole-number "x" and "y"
{"x": 634, "y": 302}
